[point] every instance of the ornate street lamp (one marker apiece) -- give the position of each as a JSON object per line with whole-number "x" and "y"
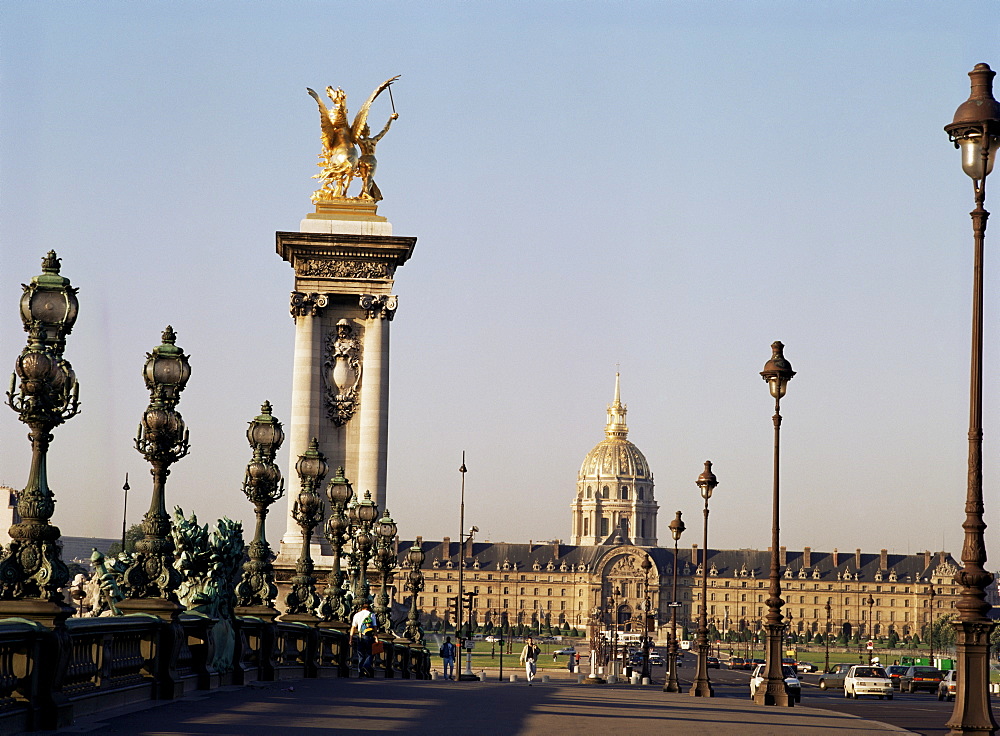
{"x": 302, "y": 600}
{"x": 777, "y": 373}
{"x": 826, "y": 639}
{"x": 701, "y": 685}
{"x": 150, "y": 582}
{"x": 975, "y": 130}
{"x": 262, "y": 485}
{"x": 335, "y": 607}
{"x": 385, "y": 560}
{"x": 646, "y": 566}
{"x": 931, "y": 628}
{"x": 363, "y": 514}
{"x": 44, "y": 392}
{"x": 672, "y": 685}
{"x": 415, "y": 557}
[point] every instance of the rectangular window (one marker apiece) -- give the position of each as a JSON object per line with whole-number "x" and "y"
{"x": 506, "y": 603}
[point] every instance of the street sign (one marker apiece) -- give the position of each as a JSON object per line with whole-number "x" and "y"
{"x": 674, "y": 604}
{"x": 871, "y": 645}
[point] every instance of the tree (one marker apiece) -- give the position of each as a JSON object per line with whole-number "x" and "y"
{"x": 132, "y": 535}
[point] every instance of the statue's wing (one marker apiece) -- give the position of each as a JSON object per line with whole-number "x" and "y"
{"x": 362, "y": 117}
{"x": 326, "y": 127}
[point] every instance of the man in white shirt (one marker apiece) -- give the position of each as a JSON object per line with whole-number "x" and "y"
{"x": 363, "y": 627}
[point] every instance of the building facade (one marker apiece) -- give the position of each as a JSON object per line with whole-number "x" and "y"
{"x": 614, "y": 574}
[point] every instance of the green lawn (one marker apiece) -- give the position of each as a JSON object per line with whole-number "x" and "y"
{"x": 487, "y": 654}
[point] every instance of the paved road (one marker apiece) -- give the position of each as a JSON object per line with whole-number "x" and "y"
{"x": 559, "y": 708}
{"x": 917, "y": 712}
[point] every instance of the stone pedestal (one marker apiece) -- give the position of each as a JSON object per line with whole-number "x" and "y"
{"x": 344, "y": 258}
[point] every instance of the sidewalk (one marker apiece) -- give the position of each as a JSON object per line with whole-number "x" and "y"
{"x": 559, "y": 708}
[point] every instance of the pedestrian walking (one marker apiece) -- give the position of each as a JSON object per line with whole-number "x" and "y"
{"x": 448, "y": 657}
{"x": 529, "y": 658}
{"x": 363, "y": 627}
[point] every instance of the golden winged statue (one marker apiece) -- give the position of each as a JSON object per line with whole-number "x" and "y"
{"x": 340, "y": 162}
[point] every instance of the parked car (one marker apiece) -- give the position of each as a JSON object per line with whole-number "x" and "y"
{"x": 737, "y": 663}
{"x": 805, "y": 667}
{"x": 919, "y": 677}
{"x": 835, "y": 677}
{"x": 947, "y": 686}
{"x": 567, "y": 650}
{"x": 713, "y": 662}
{"x": 895, "y": 672}
{"x": 789, "y": 662}
{"x": 865, "y": 679}
{"x": 792, "y": 685}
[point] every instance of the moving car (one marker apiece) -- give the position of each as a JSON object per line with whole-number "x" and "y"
{"x": 803, "y": 666}
{"x": 567, "y": 650}
{"x": 792, "y": 685}
{"x": 655, "y": 660}
{"x": 835, "y": 677}
{"x": 895, "y": 672}
{"x": 737, "y": 663}
{"x": 713, "y": 662}
{"x": 920, "y": 677}
{"x": 865, "y": 679}
{"x": 947, "y": 686}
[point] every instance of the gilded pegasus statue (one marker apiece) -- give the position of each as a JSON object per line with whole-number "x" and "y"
{"x": 340, "y": 162}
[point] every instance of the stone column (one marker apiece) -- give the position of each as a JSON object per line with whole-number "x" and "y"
{"x": 374, "y": 409}
{"x": 306, "y": 385}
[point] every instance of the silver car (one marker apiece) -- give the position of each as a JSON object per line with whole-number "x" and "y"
{"x": 834, "y": 679}
{"x": 792, "y": 685}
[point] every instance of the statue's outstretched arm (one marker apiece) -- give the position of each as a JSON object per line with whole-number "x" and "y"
{"x": 386, "y": 128}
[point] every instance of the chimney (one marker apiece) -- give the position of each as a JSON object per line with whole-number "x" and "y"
{"x": 782, "y": 555}
{"x": 555, "y": 548}
{"x": 883, "y": 559}
{"x": 927, "y": 558}
{"x": 468, "y": 548}
{"x": 446, "y": 548}
{"x": 857, "y": 558}
{"x": 694, "y": 554}
{"x": 836, "y": 557}
{"x": 420, "y": 542}
{"x": 807, "y": 557}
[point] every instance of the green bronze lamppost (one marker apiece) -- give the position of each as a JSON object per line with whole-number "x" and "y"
{"x": 646, "y": 566}
{"x": 826, "y": 639}
{"x": 414, "y": 633}
{"x": 150, "y": 581}
{"x": 672, "y": 685}
{"x": 302, "y": 600}
{"x": 44, "y": 392}
{"x": 362, "y": 515}
{"x": 263, "y": 485}
{"x": 777, "y": 373}
{"x": 336, "y": 606}
{"x": 385, "y": 562}
{"x": 975, "y": 130}
{"x": 701, "y": 685}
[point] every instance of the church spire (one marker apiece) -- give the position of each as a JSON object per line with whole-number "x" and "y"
{"x": 616, "y": 428}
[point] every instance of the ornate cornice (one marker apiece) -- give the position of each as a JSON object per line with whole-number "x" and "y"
{"x": 344, "y": 268}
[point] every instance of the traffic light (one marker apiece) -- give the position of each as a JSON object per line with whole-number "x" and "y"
{"x": 453, "y": 610}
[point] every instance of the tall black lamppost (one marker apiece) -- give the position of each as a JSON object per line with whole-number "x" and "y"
{"x": 385, "y": 561}
{"x": 361, "y": 514}
{"x": 646, "y": 566}
{"x": 125, "y": 489}
{"x": 302, "y": 600}
{"x": 671, "y": 685}
{"x": 701, "y": 685}
{"x": 931, "y": 627}
{"x": 44, "y": 393}
{"x": 871, "y": 626}
{"x": 263, "y": 485}
{"x": 151, "y": 581}
{"x": 461, "y": 556}
{"x": 826, "y": 639}
{"x": 975, "y": 129}
{"x": 777, "y": 372}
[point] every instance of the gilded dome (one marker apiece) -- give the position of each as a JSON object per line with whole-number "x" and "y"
{"x": 615, "y": 457}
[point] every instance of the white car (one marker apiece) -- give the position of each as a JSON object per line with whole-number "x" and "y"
{"x": 792, "y": 684}
{"x": 865, "y": 679}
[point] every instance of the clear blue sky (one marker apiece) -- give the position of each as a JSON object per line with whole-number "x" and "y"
{"x": 661, "y": 185}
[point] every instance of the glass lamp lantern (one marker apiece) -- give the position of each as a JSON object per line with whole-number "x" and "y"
{"x": 706, "y": 482}
{"x": 50, "y": 300}
{"x": 777, "y": 371}
{"x": 975, "y": 129}
{"x": 265, "y": 431}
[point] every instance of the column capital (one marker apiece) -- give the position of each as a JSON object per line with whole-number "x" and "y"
{"x": 379, "y": 306}
{"x": 307, "y": 305}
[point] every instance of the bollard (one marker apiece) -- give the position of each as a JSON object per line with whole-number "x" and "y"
{"x": 482, "y": 675}
{"x": 435, "y": 675}
{"x": 635, "y": 678}
{"x": 646, "y": 681}
{"x": 513, "y": 678}
{"x": 579, "y": 679}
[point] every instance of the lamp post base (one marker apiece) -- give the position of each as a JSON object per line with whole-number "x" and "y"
{"x": 972, "y": 713}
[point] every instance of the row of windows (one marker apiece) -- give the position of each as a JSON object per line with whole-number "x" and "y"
{"x": 622, "y": 494}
